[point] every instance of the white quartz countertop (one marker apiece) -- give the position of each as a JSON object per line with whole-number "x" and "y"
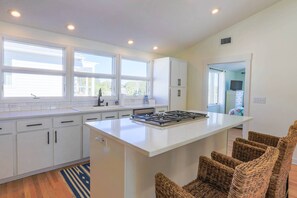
{"x": 153, "y": 140}
{"x": 70, "y": 111}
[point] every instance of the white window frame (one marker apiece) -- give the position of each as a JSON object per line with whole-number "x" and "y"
{"x": 149, "y": 77}
{"x": 22, "y": 70}
{"x": 94, "y": 75}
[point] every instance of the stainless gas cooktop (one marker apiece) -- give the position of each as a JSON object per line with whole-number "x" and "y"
{"x": 168, "y": 118}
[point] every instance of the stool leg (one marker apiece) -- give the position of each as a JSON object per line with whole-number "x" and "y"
{"x": 287, "y": 188}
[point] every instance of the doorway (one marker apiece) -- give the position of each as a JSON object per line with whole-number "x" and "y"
{"x": 226, "y": 88}
{"x": 218, "y": 65}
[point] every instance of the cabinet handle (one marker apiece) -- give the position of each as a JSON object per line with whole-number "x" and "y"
{"x": 179, "y": 82}
{"x": 68, "y": 121}
{"x": 178, "y": 93}
{"x": 48, "y": 140}
{"x": 32, "y": 125}
{"x": 110, "y": 117}
{"x": 0, "y": 128}
{"x": 56, "y": 138}
{"x": 91, "y": 118}
{"x": 126, "y": 115}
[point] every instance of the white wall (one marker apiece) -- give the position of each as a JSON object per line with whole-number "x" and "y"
{"x": 271, "y": 37}
{"x": 7, "y": 29}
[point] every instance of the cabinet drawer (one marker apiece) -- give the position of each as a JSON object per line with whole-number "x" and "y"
{"x": 7, "y": 127}
{"x": 67, "y": 121}
{"x": 34, "y": 124}
{"x": 109, "y": 115}
{"x": 125, "y": 114}
{"x": 160, "y": 109}
{"x": 91, "y": 117}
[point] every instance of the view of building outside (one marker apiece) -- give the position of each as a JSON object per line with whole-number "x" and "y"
{"x": 93, "y": 64}
{"x": 36, "y": 61}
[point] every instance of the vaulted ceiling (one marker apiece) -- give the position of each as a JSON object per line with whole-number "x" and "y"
{"x": 172, "y": 25}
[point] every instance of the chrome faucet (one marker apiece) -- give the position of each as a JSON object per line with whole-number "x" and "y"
{"x": 99, "y": 97}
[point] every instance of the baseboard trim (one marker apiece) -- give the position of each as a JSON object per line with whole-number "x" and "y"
{"x": 2, "y": 181}
{"x": 294, "y": 161}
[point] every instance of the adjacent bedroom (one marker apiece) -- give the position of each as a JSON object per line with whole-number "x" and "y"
{"x": 226, "y": 88}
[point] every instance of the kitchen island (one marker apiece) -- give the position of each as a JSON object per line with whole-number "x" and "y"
{"x": 125, "y": 155}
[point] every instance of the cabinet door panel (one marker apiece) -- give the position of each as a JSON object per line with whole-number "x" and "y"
{"x": 67, "y": 144}
{"x": 178, "y": 98}
{"x": 6, "y": 156}
{"x": 183, "y": 73}
{"x": 34, "y": 150}
{"x": 86, "y": 141}
{"x": 174, "y": 73}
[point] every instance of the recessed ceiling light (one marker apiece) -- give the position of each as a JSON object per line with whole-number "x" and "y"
{"x": 130, "y": 42}
{"x": 155, "y": 48}
{"x": 70, "y": 27}
{"x": 15, "y": 13}
{"x": 215, "y": 11}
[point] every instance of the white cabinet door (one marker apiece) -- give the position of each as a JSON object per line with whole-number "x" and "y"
{"x": 86, "y": 132}
{"x": 178, "y": 97}
{"x": 183, "y": 73}
{"x": 6, "y": 156}
{"x": 86, "y": 141}
{"x": 67, "y": 144}
{"x": 178, "y": 73}
{"x": 174, "y": 73}
{"x": 34, "y": 150}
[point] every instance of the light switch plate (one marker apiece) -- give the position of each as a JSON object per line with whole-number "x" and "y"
{"x": 260, "y": 100}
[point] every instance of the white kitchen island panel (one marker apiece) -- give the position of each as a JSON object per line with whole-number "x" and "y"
{"x": 125, "y": 155}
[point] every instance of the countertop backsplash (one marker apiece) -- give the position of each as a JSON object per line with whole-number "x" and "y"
{"x": 35, "y": 106}
{"x": 40, "y": 105}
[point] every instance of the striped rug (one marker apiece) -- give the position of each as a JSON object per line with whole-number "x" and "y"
{"x": 78, "y": 180}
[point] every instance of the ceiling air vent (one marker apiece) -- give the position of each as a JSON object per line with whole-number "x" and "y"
{"x": 225, "y": 41}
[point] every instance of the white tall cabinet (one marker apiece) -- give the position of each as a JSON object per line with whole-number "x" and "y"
{"x": 170, "y": 82}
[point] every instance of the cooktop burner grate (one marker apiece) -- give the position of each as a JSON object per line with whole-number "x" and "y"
{"x": 168, "y": 118}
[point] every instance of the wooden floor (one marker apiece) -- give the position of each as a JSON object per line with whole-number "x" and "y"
{"x": 52, "y": 185}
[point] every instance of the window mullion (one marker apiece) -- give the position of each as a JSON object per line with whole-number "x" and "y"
{"x": 135, "y": 78}
{"x": 92, "y": 75}
{"x": 32, "y": 71}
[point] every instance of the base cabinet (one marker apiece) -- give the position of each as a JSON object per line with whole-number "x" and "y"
{"x": 86, "y": 142}
{"x": 6, "y": 156}
{"x": 34, "y": 150}
{"x": 67, "y": 144}
{"x": 86, "y": 132}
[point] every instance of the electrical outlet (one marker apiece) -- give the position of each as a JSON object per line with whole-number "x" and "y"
{"x": 260, "y": 100}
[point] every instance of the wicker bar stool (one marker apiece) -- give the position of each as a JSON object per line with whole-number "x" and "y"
{"x": 246, "y": 150}
{"x": 216, "y": 180}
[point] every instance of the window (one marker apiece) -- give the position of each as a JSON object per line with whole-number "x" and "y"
{"x": 135, "y": 78}
{"x": 29, "y": 69}
{"x": 93, "y": 72}
{"x": 213, "y": 87}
